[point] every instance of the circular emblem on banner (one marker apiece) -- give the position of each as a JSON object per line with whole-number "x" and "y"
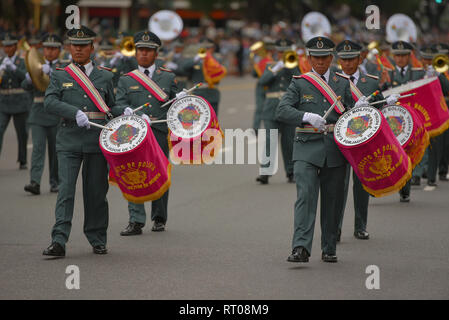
{"x": 319, "y": 44}
{"x": 400, "y": 121}
{"x": 189, "y": 117}
{"x": 126, "y": 134}
{"x": 357, "y": 126}
{"x": 80, "y": 34}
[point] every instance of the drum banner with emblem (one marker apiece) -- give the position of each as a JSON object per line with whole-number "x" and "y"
{"x": 213, "y": 71}
{"x": 194, "y": 135}
{"x": 137, "y": 164}
{"x": 428, "y": 103}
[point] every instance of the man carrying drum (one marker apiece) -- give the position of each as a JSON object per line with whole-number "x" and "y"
{"x": 362, "y": 84}
{"x": 80, "y": 93}
{"x": 318, "y": 163}
{"x": 154, "y": 85}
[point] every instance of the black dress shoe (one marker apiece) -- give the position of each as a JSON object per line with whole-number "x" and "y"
{"x": 424, "y": 175}
{"x": 329, "y": 257}
{"x": 101, "y": 249}
{"x": 133, "y": 228}
{"x": 404, "y": 198}
{"x": 291, "y": 178}
{"x": 23, "y": 166}
{"x": 415, "y": 181}
{"x": 443, "y": 177}
{"x": 431, "y": 183}
{"x": 339, "y": 235}
{"x": 54, "y": 250}
{"x": 33, "y": 187}
{"x": 54, "y": 189}
{"x": 263, "y": 179}
{"x": 299, "y": 254}
{"x": 158, "y": 226}
{"x": 362, "y": 235}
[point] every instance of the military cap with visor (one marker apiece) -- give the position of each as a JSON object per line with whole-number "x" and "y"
{"x": 147, "y": 39}
{"x": 348, "y": 49}
{"x": 320, "y": 47}
{"x": 81, "y": 36}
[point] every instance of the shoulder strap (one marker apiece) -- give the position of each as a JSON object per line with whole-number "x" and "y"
{"x": 148, "y": 84}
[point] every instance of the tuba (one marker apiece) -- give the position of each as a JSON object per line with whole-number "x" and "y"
{"x": 127, "y": 46}
{"x": 34, "y": 61}
{"x": 440, "y": 63}
{"x": 401, "y": 27}
{"x": 166, "y": 24}
{"x": 315, "y": 24}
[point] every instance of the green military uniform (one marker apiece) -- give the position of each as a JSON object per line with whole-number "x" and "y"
{"x": 277, "y": 82}
{"x": 399, "y": 76}
{"x": 193, "y": 68}
{"x": 367, "y": 84}
{"x": 43, "y": 127}
{"x": 76, "y": 146}
{"x": 14, "y": 100}
{"x": 175, "y": 63}
{"x": 318, "y": 163}
{"x": 131, "y": 93}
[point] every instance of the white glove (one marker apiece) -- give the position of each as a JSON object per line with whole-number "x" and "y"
{"x": 28, "y": 78}
{"x": 128, "y": 111}
{"x": 147, "y": 118}
{"x": 278, "y": 66}
{"x": 362, "y": 102}
{"x": 197, "y": 58}
{"x": 82, "y": 120}
{"x": 392, "y": 99}
{"x": 117, "y": 56}
{"x": 315, "y": 120}
{"x": 431, "y": 72}
{"x": 171, "y": 65}
{"x": 10, "y": 65}
{"x": 46, "y": 69}
{"x": 3, "y": 67}
{"x": 181, "y": 94}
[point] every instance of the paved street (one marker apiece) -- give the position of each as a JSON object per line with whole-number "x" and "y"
{"x": 226, "y": 238}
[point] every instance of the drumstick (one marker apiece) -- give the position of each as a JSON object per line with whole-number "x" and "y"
{"x": 186, "y": 91}
{"x": 400, "y": 97}
{"x": 100, "y": 126}
{"x": 141, "y": 107}
{"x": 372, "y": 95}
{"x": 328, "y": 112}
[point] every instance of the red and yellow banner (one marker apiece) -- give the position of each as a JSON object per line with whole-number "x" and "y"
{"x": 213, "y": 71}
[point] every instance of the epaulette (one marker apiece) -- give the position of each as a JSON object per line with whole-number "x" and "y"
{"x": 57, "y": 68}
{"x": 342, "y": 75}
{"x": 372, "y": 76}
{"x": 105, "y": 68}
{"x": 164, "y": 69}
{"x": 297, "y": 77}
{"x": 417, "y": 69}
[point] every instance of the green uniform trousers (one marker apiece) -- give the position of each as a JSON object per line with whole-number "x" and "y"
{"x": 260, "y": 99}
{"x": 435, "y": 152}
{"x": 95, "y": 188}
{"x": 20, "y": 124}
{"x": 40, "y": 135}
{"x": 444, "y": 161}
{"x": 310, "y": 181}
{"x": 361, "y": 201}
{"x": 158, "y": 207}
{"x": 287, "y": 133}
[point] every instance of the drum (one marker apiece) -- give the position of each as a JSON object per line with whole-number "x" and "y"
{"x": 137, "y": 164}
{"x": 428, "y": 102}
{"x": 367, "y": 142}
{"x": 409, "y": 129}
{"x": 195, "y": 136}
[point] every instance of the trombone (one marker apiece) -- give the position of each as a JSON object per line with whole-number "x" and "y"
{"x": 290, "y": 59}
{"x": 440, "y": 63}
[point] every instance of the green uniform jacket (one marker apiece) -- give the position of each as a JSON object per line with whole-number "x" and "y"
{"x": 411, "y": 74}
{"x": 302, "y": 97}
{"x": 367, "y": 84}
{"x": 444, "y": 84}
{"x": 131, "y": 93}
{"x": 275, "y": 82}
{"x": 18, "y": 102}
{"x": 37, "y": 113}
{"x": 123, "y": 66}
{"x": 64, "y": 97}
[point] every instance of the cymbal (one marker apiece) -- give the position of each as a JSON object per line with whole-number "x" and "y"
{"x": 34, "y": 61}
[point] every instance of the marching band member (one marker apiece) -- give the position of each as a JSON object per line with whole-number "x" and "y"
{"x": 318, "y": 163}
{"x": 277, "y": 78}
{"x": 43, "y": 125}
{"x": 153, "y": 84}
{"x": 444, "y": 161}
{"x": 14, "y": 101}
{"x": 78, "y": 93}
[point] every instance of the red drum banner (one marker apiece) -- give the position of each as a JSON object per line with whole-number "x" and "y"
{"x": 137, "y": 165}
{"x": 367, "y": 142}
{"x": 428, "y": 102}
{"x": 194, "y": 135}
{"x": 409, "y": 129}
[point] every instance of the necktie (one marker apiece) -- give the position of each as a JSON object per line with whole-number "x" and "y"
{"x": 352, "y": 78}
{"x": 324, "y": 78}
{"x": 402, "y": 71}
{"x": 147, "y": 73}
{"x": 83, "y": 69}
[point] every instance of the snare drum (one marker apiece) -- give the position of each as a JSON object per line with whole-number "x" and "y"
{"x": 378, "y": 159}
{"x": 137, "y": 164}
{"x": 409, "y": 129}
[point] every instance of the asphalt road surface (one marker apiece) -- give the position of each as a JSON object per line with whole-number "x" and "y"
{"x": 226, "y": 238}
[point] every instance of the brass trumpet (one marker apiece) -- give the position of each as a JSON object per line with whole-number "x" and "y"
{"x": 127, "y": 47}
{"x": 440, "y": 63}
{"x": 202, "y": 52}
{"x": 290, "y": 59}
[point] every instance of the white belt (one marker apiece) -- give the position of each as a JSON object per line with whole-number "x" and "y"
{"x": 12, "y": 91}
{"x": 38, "y": 99}
{"x": 275, "y": 95}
